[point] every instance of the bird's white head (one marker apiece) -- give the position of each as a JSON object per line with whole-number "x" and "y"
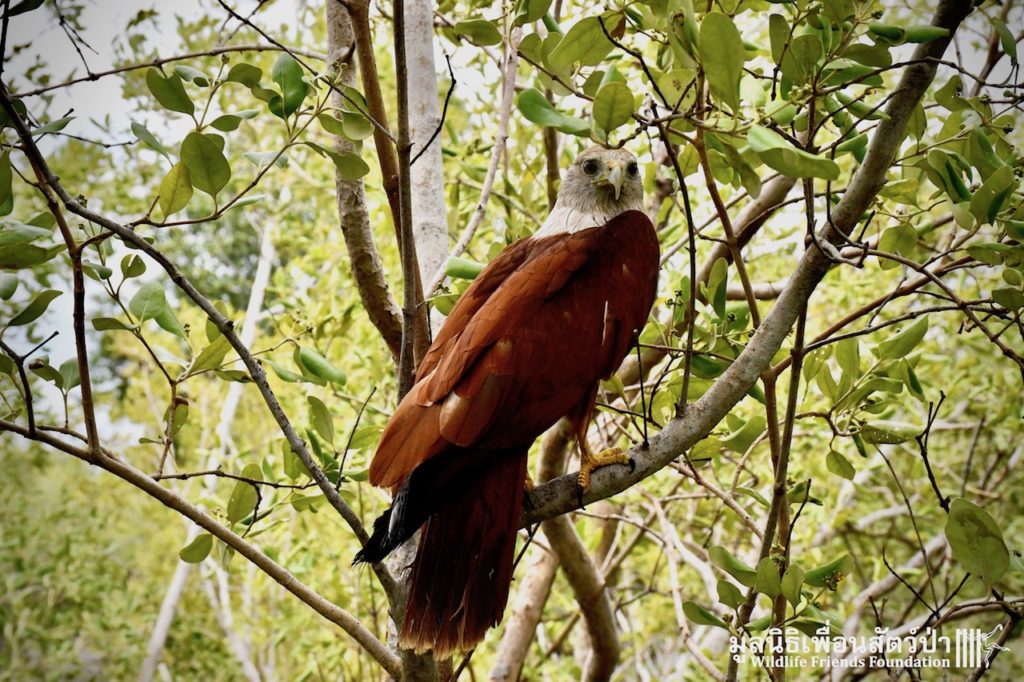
{"x": 599, "y": 185}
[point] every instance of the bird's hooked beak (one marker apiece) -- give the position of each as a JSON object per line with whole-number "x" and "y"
{"x": 613, "y": 178}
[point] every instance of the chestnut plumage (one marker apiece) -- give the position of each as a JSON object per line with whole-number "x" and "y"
{"x": 526, "y": 344}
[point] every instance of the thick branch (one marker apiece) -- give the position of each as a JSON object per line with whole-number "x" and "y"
{"x": 586, "y": 581}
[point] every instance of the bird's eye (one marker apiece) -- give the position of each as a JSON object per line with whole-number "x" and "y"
{"x": 590, "y": 166}
{"x": 632, "y": 168}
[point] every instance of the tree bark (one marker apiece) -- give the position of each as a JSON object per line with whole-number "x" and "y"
{"x": 351, "y": 199}
{"x": 429, "y": 215}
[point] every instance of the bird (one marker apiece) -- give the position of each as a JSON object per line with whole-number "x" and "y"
{"x": 526, "y": 344}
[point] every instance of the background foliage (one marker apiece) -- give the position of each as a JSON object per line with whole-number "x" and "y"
{"x": 909, "y": 398}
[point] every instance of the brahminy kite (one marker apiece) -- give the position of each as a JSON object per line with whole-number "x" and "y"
{"x": 527, "y": 344}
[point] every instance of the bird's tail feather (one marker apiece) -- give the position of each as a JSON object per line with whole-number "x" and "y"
{"x": 463, "y": 568}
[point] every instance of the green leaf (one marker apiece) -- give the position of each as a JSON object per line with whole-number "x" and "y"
{"x": 891, "y": 35}
{"x": 192, "y": 75}
{"x": 168, "y": 321}
{"x": 839, "y": 465}
{"x": 285, "y": 374}
{"x": 320, "y": 417}
{"x": 6, "y": 176}
{"x": 1009, "y": 298}
{"x": 42, "y": 368}
{"x": 356, "y": 126}
{"x": 903, "y": 342}
{"x": 319, "y": 366}
{"x": 132, "y": 266}
{"x": 287, "y": 73}
{"x": 169, "y": 92}
{"x": 479, "y": 32}
{"x": 208, "y": 169}
{"x": 53, "y": 126}
{"x": 792, "y": 581}
{"x": 848, "y": 355}
{"x": 696, "y": 613}
{"x": 350, "y": 166}
{"x": 831, "y": 574}
{"x": 148, "y": 302}
{"x": 976, "y": 541}
{"x": 779, "y": 154}
{"x": 767, "y": 580}
{"x": 722, "y": 558}
{"x": 584, "y": 43}
{"x": 729, "y": 594}
{"x": 800, "y": 61}
{"x": 211, "y": 356}
{"x": 69, "y": 374}
{"x": 463, "y": 268}
{"x": 175, "y": 189}
{"x": 529, "y": 11}
{"x": 235, "y": 375}
{"x": 14, "y": 232}
{"x": 226, "y": 122}
{"x": 534, "y": 106}
{"x": 722, "y": 55}
{"x": 740, "y": 440}
{"x": 888, "y": 432}
{"x": 8, "y": 285}
{"x": 246, "y": 74}
{"x": 96, "y": 271}
{"x": 924, "y": 34}
{"x": 988, "y": 199}
{"x": 613, "y": 106}
{"x": 197, "y": 550}
{"x": 331, "y": 124}
{"x": 147, "y": 138}
{"x": 34, "y": 309}
{"x": 24, "y": 7}
{"x": 244, "y": 496}
{"x": 106, "y": 324}
{"x": 778, "y": 35}
{"x": 1006, "y": 40}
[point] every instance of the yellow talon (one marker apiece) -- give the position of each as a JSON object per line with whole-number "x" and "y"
{"x": 589, "y": 461}
{"x": 528, "y": 484}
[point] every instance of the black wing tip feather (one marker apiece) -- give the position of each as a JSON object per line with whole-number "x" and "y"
{"x": 379, "y": 545}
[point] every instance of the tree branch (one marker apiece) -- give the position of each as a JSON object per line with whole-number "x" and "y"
{"x": 353, "y": 214}
{"x": 160, "y": 61}
{"x": 586, "y": 581}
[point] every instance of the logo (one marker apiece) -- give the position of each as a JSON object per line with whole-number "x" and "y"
{"x": 826, "y": 648}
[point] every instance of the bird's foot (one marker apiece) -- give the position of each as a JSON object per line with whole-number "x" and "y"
{"x": 591, "y": 461}
{"x": 528, "y": 484}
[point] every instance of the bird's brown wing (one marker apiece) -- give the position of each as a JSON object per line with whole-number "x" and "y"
{"x": 468, "y": 369}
